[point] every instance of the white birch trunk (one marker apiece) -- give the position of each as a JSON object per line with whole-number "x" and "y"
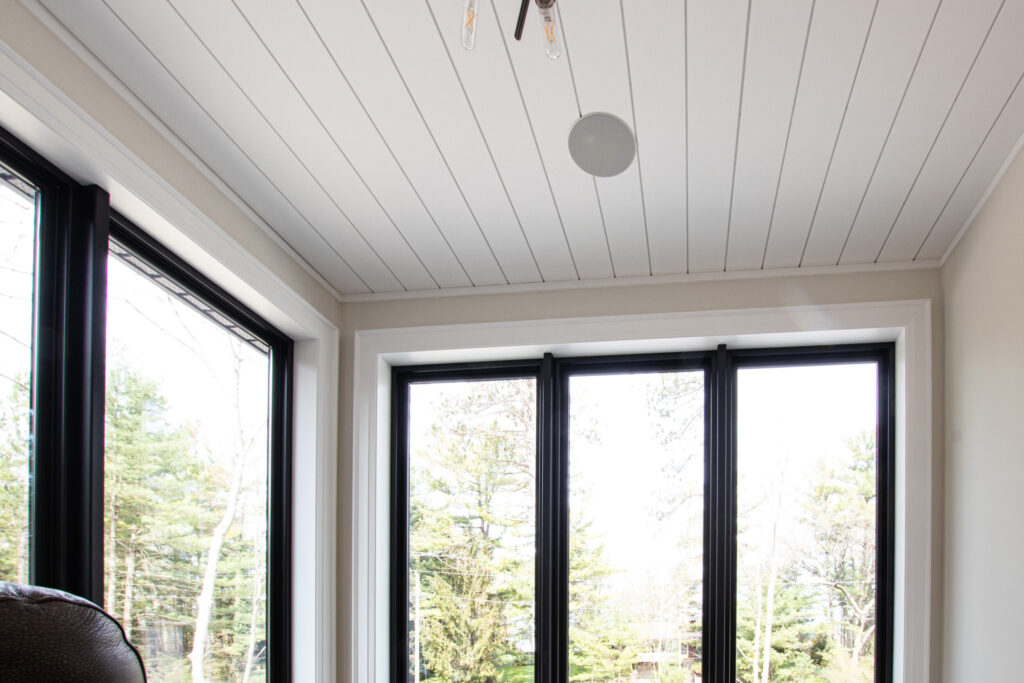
{"x": 757, "y": 630}
{"x": 257, "y": 592}
{"x": 204, "y": 603}
{"x": 129, "y": 588}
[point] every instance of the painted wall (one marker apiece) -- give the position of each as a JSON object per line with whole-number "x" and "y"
{"x": 984, "y": 290}
{"x": 689, "y": 296}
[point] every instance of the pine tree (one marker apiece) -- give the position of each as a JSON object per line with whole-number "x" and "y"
{"x": 14, "y": 479}
{"x": 471, "y": 530}
{"x": 151, "y": 474}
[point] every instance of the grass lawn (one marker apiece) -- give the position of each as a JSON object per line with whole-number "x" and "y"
{"x": 516, "y": 674}
{"x": 506, "y": 674}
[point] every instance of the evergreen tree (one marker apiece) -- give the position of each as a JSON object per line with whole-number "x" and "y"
{"x": 471, "y": 530}
{"x": 14, "y": 478}
{"x": 152, "y": 478}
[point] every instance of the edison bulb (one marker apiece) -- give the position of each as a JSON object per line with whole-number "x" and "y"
{"x": 469, "y": 25}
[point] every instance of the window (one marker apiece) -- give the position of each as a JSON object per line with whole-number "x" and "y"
{"x": 719, "y": 516}
{"x": 152, "y": 473}
{"x": 17, "y": 281}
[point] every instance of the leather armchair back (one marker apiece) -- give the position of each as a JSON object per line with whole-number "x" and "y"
{"x": 50, "y": 635}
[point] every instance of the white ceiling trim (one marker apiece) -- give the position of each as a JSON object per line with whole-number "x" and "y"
{"x": 715, "y": 276}
{"x": 998, "y": 178}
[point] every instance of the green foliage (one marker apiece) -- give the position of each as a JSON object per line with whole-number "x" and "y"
{"x": 161, "y": 502}
{"x": 14, "y": 472}
{"x": 601, "y": 647}
{"x": 824, "y": 602}
{"x": 471, "y": 533}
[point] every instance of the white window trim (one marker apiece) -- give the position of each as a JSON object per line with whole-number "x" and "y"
{"x": 57, "y": 128}
{"x": 908, "y": 323}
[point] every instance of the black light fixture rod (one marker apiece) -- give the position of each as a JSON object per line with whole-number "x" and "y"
{"x": 522, "y": 19}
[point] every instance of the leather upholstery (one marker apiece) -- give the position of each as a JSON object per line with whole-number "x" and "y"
{"x": 50, "y": 635}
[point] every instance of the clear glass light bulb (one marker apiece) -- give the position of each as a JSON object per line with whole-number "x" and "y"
{"x": 469, "y": 25}
{"x": 547, "y": 16}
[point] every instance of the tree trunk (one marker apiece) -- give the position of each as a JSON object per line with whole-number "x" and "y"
{"x": 770, "y": 599}
{"x": 23, "y": 555}
{"x": 129, "y": 587}
{"x": 110, "y": 562}
{"x": 257, "y": 592}
{"x": 757, "y": 630}
{"x": 204, "y": 603}
{"x": 770, "y": 608}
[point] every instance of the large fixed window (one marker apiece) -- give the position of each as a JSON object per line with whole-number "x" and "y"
{"x": 722, "y": 516}
{"x": 145, "y": 434}
{"x": 17, "y": 282}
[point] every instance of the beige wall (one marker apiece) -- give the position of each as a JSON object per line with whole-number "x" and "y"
{"x": 984, "y": 290}
{"x": 692, "y": 296}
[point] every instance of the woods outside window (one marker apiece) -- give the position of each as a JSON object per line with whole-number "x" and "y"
{"x": 719, "y": 516}
{"x": 145, "y": 431}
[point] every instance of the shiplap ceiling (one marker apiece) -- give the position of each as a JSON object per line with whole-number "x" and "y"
{"x": 771, "y": 134}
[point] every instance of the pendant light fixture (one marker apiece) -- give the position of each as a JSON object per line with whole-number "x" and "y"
{"x": 469, "y": 25}
{"x": 546, "y": 9}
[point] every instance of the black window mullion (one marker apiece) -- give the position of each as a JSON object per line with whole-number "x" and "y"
{"x": 279, "y": 540}
{"x": 886, "y": 515}
{"x": 399, "y": 588}
{"x": 552, "y": 653}
{"x": 719, "y": 623}
{"x": 68, "y": 391}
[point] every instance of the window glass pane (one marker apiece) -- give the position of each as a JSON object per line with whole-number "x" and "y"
{"x": 17, "y": 281}
{"x": 806, "y": 501}
{"x": 472, "y": 500}
{"x": 636, "y": 502}
{"x": 185, "y": 518}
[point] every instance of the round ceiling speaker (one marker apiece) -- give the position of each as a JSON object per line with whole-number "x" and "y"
{"x": 602, "y": 144}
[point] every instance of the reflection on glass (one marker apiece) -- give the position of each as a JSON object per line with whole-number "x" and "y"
{"x": 807, "y": 524}
{"x": 472, "y": 497}
{"x": 185, "y": 500}
{"x": 17, "y": 268}
{"x": 636, "y": 484}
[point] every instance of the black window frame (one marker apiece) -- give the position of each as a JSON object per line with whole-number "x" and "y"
{"x": 720, "y": 367}
{"x": 74, "y": 225}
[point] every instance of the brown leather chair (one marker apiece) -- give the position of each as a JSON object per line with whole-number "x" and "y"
{"x": 50, "y": 635}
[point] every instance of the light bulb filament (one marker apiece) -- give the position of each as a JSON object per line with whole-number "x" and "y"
{"x": 549, "y": 31}
{"x": 469, "y": 24}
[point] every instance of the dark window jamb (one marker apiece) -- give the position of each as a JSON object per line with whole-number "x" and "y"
{"x": 68, "y": 385}
{"x": 279, "y": 587}
{"x": 68, "y": 341}
{"x": 401, "y": 378}
{"x": 884, "y": 355}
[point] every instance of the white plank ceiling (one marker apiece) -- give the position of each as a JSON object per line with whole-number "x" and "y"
{"x": 771, "y": 133}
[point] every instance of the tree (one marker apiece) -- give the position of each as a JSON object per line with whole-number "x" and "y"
{"x": 602, "y": 647}
{"x": 841, "y": 514}
{"x": 808, "y": 613}
{"x": 14, "y": 472}
{"x": 151, "y": 471}
{"x": 471, "y": 517}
